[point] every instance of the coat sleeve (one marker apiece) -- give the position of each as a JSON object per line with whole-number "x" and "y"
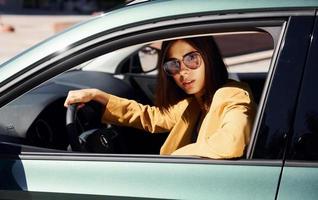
{"x": 236, "y": 111}
{"x": 121, "y": 111}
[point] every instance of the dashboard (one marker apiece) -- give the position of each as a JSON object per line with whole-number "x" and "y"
{"x": 38, "y": 117}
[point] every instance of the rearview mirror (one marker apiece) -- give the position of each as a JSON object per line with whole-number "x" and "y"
{"x": 148, "y": 57}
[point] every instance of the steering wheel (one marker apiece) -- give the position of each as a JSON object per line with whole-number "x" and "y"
{"x": 97, "y": 140}
{"x": 71, "y": 128}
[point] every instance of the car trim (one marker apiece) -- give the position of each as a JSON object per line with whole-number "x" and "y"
{"x": 143, "y": 158}
{"x": 25, "y": 152}
{"x": 300, "y": 163}
{"x": 263, "y": 99}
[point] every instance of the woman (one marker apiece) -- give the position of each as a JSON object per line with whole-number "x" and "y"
{"x": 207, "y": 114}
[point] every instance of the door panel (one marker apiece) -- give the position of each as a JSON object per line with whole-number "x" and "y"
{"x": 299, "y": 182}
{"x": 146, "y": 177}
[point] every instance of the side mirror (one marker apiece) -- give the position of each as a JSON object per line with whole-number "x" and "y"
{"x": 148, "y": 57}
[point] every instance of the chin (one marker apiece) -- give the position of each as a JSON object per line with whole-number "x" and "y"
{"x": 191, "y": 91}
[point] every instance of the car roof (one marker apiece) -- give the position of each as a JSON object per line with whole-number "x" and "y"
{"x": 230, "y": 4}
{"x": 144, "y": 11}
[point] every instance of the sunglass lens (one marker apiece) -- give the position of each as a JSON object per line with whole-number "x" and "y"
{"x": 192, "y": 60}
{"x": 172, "y": 67}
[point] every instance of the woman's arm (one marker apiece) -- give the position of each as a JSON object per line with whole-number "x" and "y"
{"x": 126, "y": 112}
{"x": 86, "y": 95}
{"x": 122, "y": 111}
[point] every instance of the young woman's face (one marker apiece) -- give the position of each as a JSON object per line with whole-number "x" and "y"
{"x": 190, "y": 80}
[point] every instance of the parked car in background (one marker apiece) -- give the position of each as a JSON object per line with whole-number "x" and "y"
{"x": 271, "y": 45}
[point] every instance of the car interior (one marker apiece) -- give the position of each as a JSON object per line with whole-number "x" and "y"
{"x": 128, "y": 72}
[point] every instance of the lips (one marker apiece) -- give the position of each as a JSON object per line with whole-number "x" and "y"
{"x": 187, "y": 84}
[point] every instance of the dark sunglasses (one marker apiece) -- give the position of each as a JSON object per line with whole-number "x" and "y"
{"x": 191, "y": 60}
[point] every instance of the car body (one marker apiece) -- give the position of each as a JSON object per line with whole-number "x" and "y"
{"x": 271, "y": 45}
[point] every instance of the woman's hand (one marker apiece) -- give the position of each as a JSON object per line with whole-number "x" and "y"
{"x": 86, "y": 95}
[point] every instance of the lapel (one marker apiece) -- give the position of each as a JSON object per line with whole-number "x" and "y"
{"x": 182, "y": 132}
{"x": 209, "y": 124}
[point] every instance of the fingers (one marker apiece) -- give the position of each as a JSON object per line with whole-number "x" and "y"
{"x": 70, "y": 99}
{"x": 77, "y": 96}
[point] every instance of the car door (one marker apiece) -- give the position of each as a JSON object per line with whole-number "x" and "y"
{"x": 300, "y": 173}
{"x": 36, "y": 173}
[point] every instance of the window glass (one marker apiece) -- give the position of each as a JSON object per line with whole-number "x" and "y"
{"x": 304, "y": 145}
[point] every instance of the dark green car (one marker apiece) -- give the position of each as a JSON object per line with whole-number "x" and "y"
{"x": 271, "y": 45}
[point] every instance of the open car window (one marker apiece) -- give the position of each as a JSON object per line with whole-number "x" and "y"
{"x": 129, "y": 72}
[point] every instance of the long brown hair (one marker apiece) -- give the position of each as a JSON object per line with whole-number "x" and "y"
{"x": 169, "y": 93}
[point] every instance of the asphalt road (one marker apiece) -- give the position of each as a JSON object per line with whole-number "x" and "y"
{"x": 29, "y": 30}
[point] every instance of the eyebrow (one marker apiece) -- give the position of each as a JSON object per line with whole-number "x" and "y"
{"x": 173, "y": 58}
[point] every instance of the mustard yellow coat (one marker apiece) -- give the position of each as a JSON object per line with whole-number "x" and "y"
{"x": 224, "y": 132}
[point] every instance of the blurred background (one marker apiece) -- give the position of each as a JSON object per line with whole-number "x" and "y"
{"x": 24, "y": 23}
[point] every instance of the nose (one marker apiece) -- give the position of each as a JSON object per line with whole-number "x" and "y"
{"x": 183, "y": 69}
